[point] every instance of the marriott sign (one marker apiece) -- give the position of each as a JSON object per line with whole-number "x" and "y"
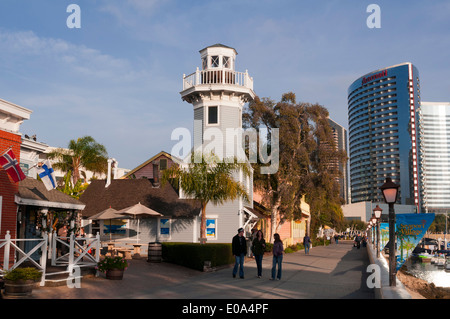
{"x": 375, "y": 76}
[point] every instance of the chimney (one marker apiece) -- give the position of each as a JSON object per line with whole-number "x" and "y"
{"x": 108, "y": 176}
{"x": 116, "y": 168}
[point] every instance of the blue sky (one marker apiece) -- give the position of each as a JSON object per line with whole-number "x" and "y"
{"x": 118, "y": 77}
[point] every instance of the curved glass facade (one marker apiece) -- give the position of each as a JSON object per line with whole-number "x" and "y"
{"x": 382, "y": 133}
{"x": 434, "y": 137}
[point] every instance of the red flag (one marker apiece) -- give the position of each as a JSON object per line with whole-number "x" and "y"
{"x": 11, "y": 166}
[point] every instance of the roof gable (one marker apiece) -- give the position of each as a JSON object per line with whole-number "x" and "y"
{"x": 147, "y": 162}
{"x": 33, "y": 192}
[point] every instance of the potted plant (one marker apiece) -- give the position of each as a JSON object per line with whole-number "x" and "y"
{"x": 20, "y": 281}
{"x": 113, "y": 267}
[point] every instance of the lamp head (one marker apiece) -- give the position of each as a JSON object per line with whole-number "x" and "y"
{"x": 377, "y": 212}
{"x": 390, "y": 191}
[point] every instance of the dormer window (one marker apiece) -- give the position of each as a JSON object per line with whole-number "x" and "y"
{"x": 226, "y": 62}
{"x": 215, "y": 61}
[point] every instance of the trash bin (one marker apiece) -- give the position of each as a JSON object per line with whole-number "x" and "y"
{"x": 154, "y": 253}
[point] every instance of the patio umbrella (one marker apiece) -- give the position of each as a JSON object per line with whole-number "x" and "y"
{"x": 138, "y": 211}
{"x": 109, "y": 213}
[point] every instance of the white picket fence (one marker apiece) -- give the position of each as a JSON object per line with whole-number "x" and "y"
{"x": 77, "y": 256}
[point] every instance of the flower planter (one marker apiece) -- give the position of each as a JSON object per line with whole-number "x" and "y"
{"x": 114, "y": 274}
{"x": 19, "y": 287}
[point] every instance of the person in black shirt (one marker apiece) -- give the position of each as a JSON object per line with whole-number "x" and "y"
{"x": 239, "y": 248}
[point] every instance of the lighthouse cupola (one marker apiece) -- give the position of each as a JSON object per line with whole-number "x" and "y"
{"x": 218, "y": 57}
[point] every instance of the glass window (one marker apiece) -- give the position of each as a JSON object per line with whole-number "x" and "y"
{"x": 204, "y": 63}
{"x": 162, "y": 164}
{"x": 226, "y": 62}
{"x": 213, "y": 116}
{"x": 215, "y": 61}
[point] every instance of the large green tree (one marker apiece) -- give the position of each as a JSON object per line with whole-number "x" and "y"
{"x": 307, "y": 157}
{"x": 83, "y": 152}
{"x": 207, "y": 179}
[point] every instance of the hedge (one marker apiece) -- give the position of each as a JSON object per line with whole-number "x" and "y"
{"x": 193, "y": 255}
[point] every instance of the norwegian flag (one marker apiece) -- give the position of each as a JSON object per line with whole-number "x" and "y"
{"x": 10, "y": 164}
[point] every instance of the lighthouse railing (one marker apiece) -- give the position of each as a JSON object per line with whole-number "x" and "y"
{"x": 217, "y": 76}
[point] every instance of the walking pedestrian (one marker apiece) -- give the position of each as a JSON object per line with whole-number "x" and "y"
{"x": 358, "y": 241}
{"x": 277, "y": 256}
{"x": 258, "y": 248}
{"x": 239, "y": 249}
{"x": 306, "y": 244}
{"x": 336, "y": 238}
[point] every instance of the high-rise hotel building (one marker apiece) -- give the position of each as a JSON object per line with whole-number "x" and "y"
{"x": 383, "y": 133}
{"x": 434, "y": 154}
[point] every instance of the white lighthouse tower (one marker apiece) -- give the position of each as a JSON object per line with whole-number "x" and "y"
{"x": 218, "y": 94}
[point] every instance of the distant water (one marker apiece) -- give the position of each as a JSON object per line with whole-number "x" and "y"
{"x": 429, "y": 272}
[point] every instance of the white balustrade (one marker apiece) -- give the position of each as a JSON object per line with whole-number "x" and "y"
{"x": 217, "y": 76}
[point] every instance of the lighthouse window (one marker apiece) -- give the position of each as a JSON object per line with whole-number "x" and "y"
{"x": 204, "y": 64}
{"x": 226, "y": 62}
{"x": 213, "y": 117}
{"x": 215, "y": 61}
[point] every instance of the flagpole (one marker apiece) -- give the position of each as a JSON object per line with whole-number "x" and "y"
{"x": 10, "y": 148}
{"x": 28, "y": 169}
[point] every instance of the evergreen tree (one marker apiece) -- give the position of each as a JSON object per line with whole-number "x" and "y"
{"x": 307, "y": 160}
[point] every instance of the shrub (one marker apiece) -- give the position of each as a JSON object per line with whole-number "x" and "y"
{"x": 110, "y": 263}
{"x": 28, "y": 273}
{"x": 288, "y": 250}
{"x": 193, "y": 255}
{"x": 269, "y": 247}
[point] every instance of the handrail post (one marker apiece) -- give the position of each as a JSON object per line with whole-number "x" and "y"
{"x": 71, "y": 251}
{"x": 54, "y": 249}
{"x": 245, "y": 78}
{"x": 6, "y": 251}
{"x": 98, "y": 247}
{"x": 197, "y": 77}
{"x": 44, "y": 258}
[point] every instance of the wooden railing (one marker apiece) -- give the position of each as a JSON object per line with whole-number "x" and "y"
{"x": 11, "y": 248}
{"x": 78, "y": 254}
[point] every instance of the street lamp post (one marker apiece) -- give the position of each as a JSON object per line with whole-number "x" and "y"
{"x": 390, "y": 192}
{"x": 377, "y": 214}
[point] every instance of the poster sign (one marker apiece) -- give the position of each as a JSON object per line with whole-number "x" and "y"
{"x": 410, "y": 229}
{"x": 384, "y": 235}
{"x": 210, "y": 228}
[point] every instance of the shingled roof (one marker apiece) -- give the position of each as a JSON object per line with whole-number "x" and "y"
{"x": 122, "y": 193}
{"x": 33, "y": 192}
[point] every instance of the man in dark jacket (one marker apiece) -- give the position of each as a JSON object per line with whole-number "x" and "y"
{"x": 239, "y": 248}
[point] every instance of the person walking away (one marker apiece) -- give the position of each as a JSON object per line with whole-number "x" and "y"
{"x": 258, "y": 248}
{"x": 277, "y": 256}
{"x": 306, "y": 244}
{"x": 358, "y": 241}
{"x": 336, "y": 238}
{"x": 239, "y": 249}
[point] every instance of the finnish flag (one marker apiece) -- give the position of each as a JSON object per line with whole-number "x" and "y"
{"x": 47, "y": 175}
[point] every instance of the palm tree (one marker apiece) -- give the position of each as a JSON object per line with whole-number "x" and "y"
{"x": 84, "y": 152}
{"x": 210, "y": 180}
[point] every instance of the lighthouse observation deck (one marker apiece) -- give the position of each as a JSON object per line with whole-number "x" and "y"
{"x": 224, "y": 76}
